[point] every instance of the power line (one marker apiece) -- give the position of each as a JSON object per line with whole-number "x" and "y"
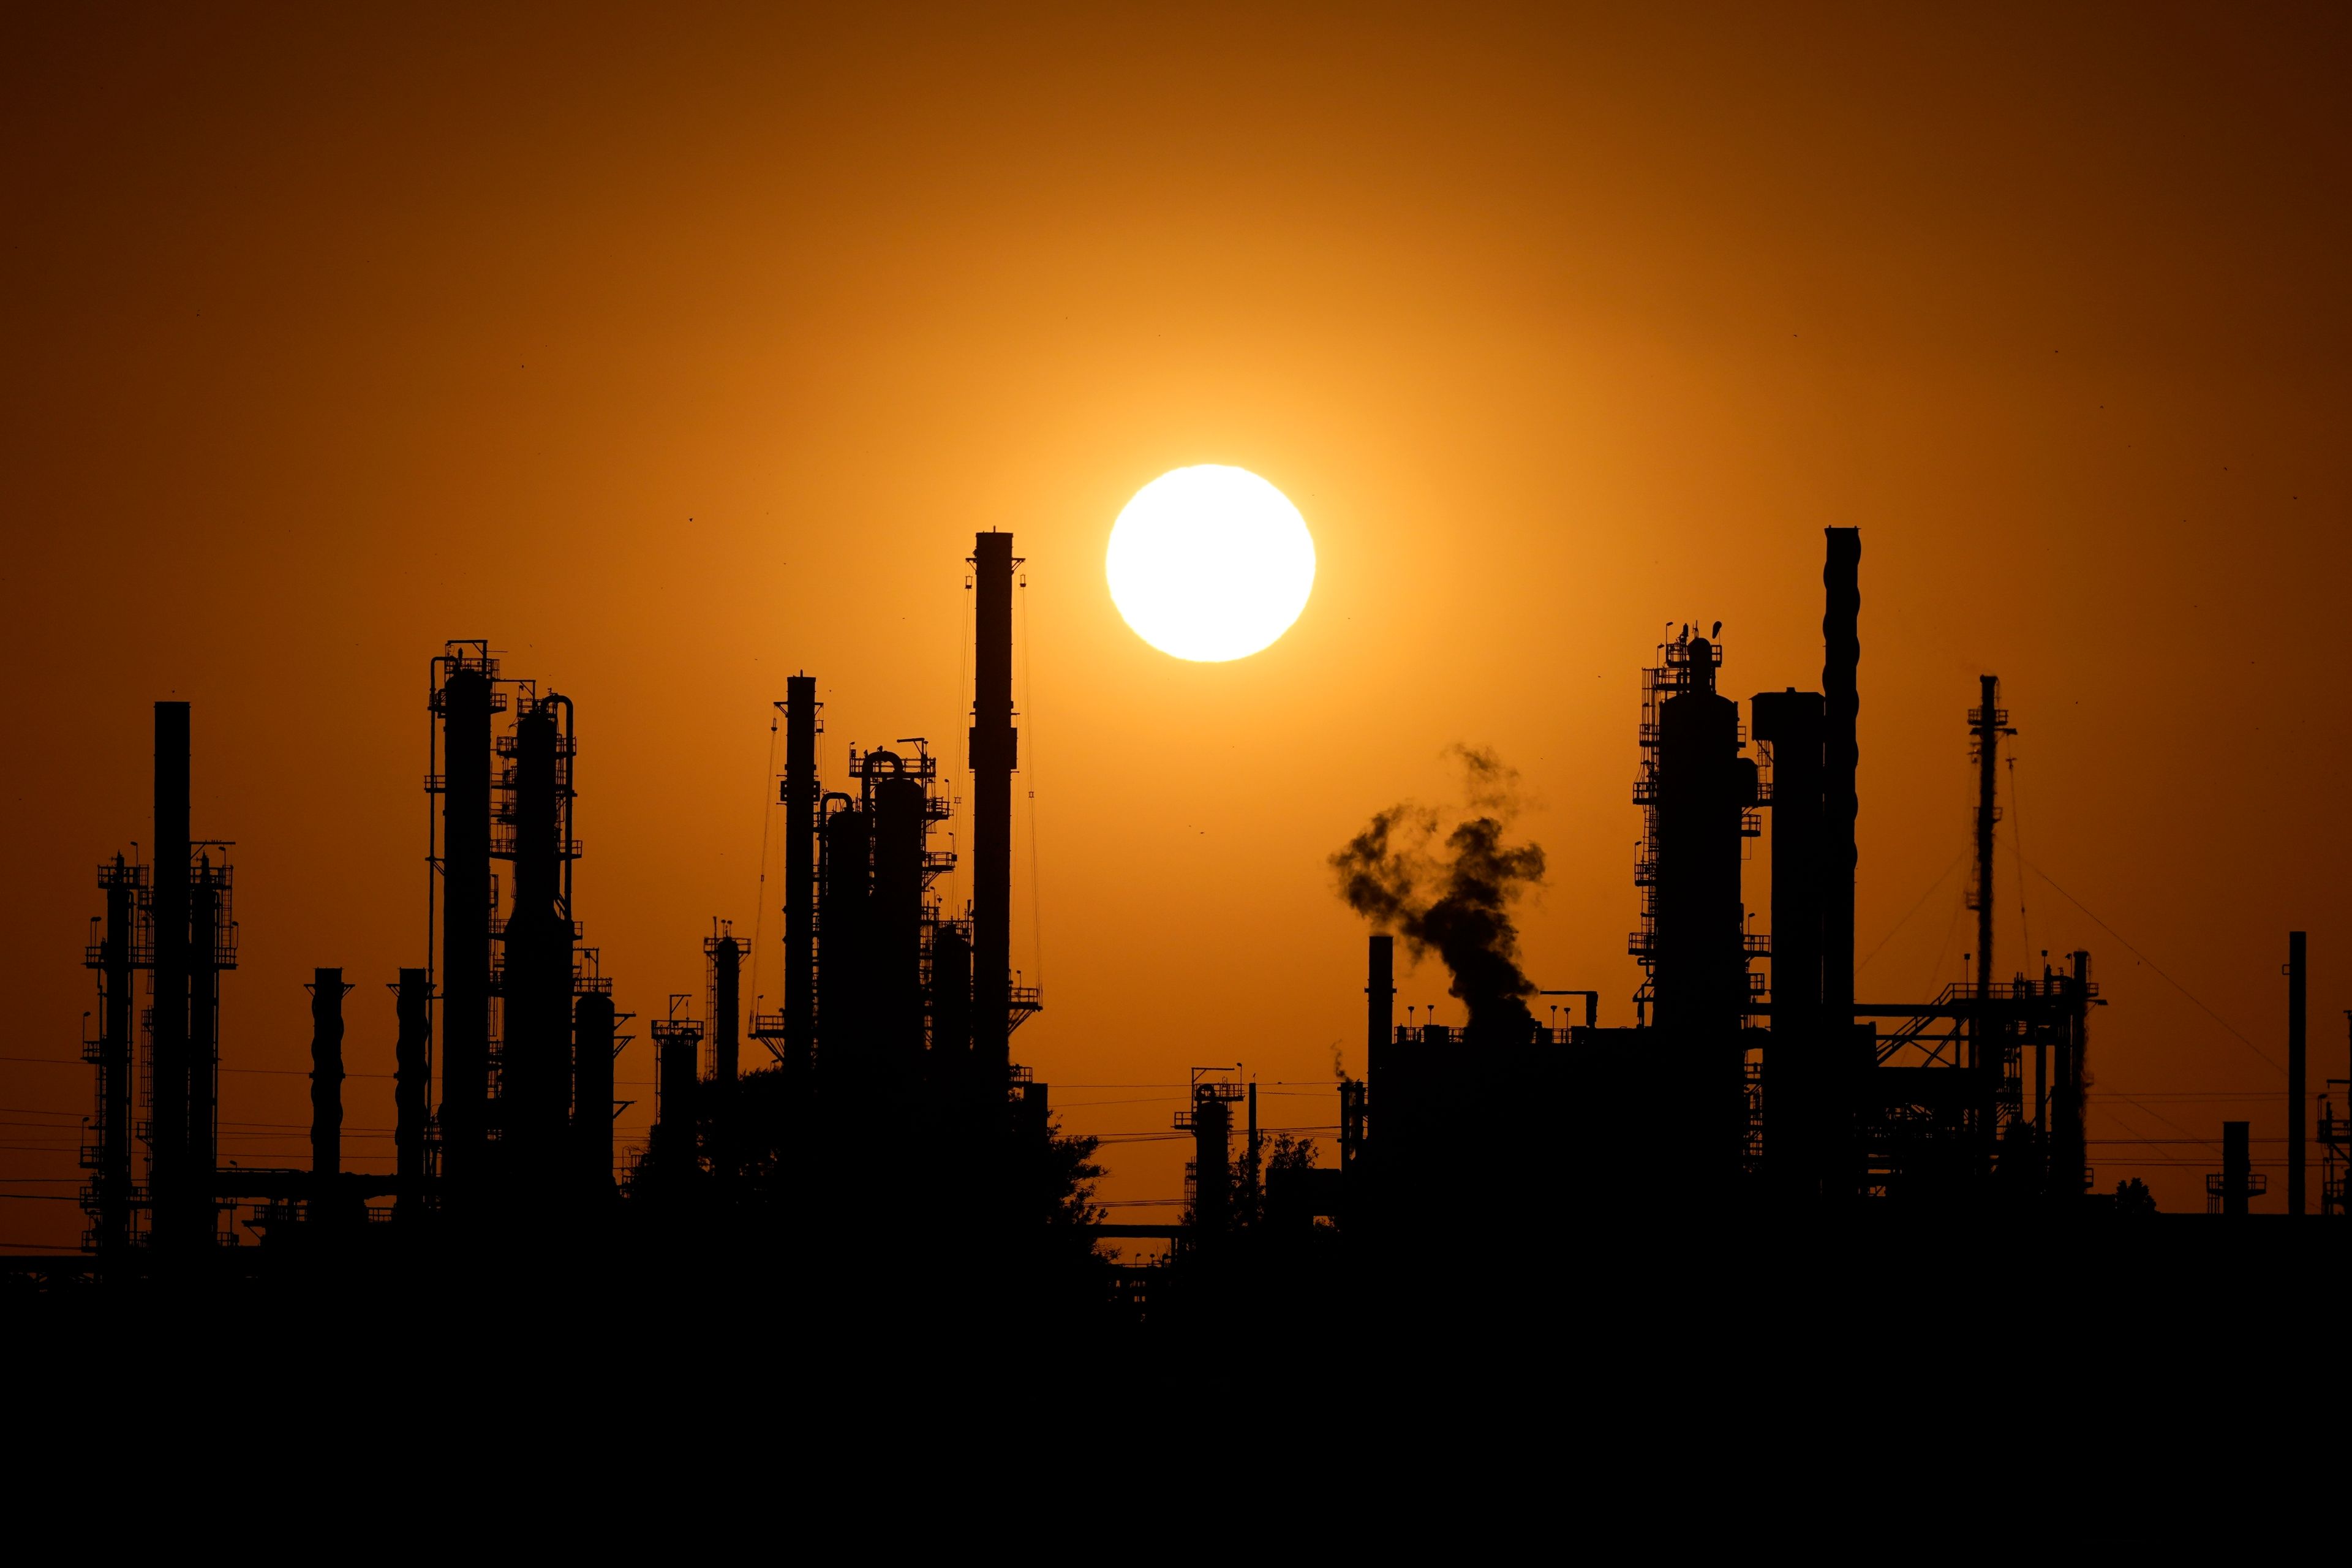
{"x": 2144, "y": 958}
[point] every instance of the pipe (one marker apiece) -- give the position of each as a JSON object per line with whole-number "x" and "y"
{"x": 167, "y": 1176}
{"x": 1380, "y": 993}
{"x": 119, "y": 1009}
{"x": 800, "y": 801}
{"x": 994, "y": 758}
{"x": 205, "y": 930}
{"x": 2298, "y": 1106}
{"x": 1847, "y": 1054}
{"x": 327, "y": 991}
{"x": 1840, "y": 758}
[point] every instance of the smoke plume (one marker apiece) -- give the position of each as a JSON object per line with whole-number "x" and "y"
{"x": 1452, "y": 893}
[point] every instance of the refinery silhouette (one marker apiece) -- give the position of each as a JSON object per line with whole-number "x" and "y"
{"x": 881, "y": 1117}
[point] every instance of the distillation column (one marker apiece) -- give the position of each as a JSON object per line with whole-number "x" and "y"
{"x": 463, "y": 701}
{"x": 1700, "y": 969}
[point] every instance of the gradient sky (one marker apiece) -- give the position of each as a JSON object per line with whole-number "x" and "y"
{"x": 676, "y": 350}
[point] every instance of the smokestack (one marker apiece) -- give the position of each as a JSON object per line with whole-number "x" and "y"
{"x": 2237, "y": 1167}
{"x": 1380, "y": 993}
{"x": 167, "y": 1174}
{"x": 1841, "y": 757}
{"x": 1989, "y": 722}
{"x": 2297, "y": 1106}
{"x": 412, "y": 1087}
{"x": 800, "y": 799}
{"x": 592, "y": 1097}
{"x": 463, "y": 701}
{"x": 327, "y": 991}
{"x": 995, "y": 757}
{"x": 1790, "y": 723}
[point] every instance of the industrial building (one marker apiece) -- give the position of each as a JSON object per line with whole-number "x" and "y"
{"x": 1753, "y": 1079}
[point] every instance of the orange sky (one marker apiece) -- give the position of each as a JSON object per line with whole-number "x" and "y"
{"x": 675, "y": 352}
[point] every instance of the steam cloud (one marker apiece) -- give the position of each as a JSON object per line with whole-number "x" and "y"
{"x": 1453, "y": 894}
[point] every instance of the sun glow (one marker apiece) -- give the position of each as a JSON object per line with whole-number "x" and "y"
{"x": 1210, "y": 563}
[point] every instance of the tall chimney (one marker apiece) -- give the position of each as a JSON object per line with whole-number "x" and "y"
{"x": 800, "y": 793}
{"x": 2298, "y": 1106}
{"x": 1380, "y": 996}
{"x": 327, "y": 991}
{"x": 1840, "y": 758}
{"x": 463, "y": 702}
{"x": 995, "y": 757}
{"x": 167, "y": 1175}
{"x": 1843, "y": 1056}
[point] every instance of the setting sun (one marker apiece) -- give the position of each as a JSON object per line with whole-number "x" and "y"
{"x": 1210, "y": 563}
